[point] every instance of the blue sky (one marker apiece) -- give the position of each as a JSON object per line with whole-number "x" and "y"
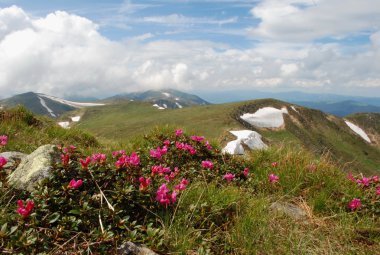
{"x": 330, "y": 46}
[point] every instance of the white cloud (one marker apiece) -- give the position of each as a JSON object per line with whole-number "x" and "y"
{"x": 63, "y": 54}
{"x": 178, "y": 19}
{"x": 307, "y": 20}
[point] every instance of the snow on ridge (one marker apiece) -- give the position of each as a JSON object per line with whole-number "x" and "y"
{"x": 251, "y": 138}
{"x": 159, "y": 107}
{"x": 179, "y": 106}
{"x": 358, "y": 131}
{"x": 64, "y": 124}
{"x": 165, "y": 106}
{"x": 43, "y": 103}
{"x": 267, "y": 117}
{"x": 294, "y": 109}
{"x": 166, "y": 94}
{"x": 75, "y": 119}
{"x": 70, "y": 103}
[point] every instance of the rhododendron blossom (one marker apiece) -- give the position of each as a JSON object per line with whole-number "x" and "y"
{"x": 364, "y": 181}
{"x": 351, "y": 177}
{"x": 85, "y": 162}
{"x": 273, "y": 178}
{"x": 354, "y": 204}
{"x": 246, "y": 172}
{"x": 378, "y": 190}
{"x": 65, "y": 159}
{"x": 229, "y": 177}
{"x": 167, "y": 142}
{"x": 197, "y": 138}
{"x": 117, "y": 153}
{"x": 99, "y": 158}
{"x": 375, "y": 178}
{"x": 3, "y": 140}
{"x": 207, "y": 164}
{"x": 3, "y": 162}
{"x": 186, "y": 147}
{"x": 274, "y": 164}
{"x": 69, "y": 149}
{"x": 208, "y": 145}
{"x": 125, "y": 160}
{"x": 158, "y": 152}
{"x": 160, "y": 170}
{"x": 25, "y": 211}
{"x": 163, "y": 197}
{"x": 144, "y": 183}
{"x": 182, "y": 185}
{"x": 178, "y": 132}
{"x": 73, "y": 184}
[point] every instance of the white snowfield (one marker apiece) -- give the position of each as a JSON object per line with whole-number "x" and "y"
{"x": 294, "y": 109}
{"x": 251, "y": 138}
{"x": 64, "y": 124}
{"x": 166, "y": 94}
{"x": 75, "y": 119}
{"x": 159, "y": 107}
{"x": 267, "y": 117}
{"x": 43, "y": 103}
{"x": 358, "y": 131}
{"x": 179, "y": 106}
{"x": 67, "y": 102}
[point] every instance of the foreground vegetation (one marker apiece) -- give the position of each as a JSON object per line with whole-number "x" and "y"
{"x": 177, "y": 194}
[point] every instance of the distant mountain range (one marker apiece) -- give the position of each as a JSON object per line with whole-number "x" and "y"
{"x": 162, "y": 99}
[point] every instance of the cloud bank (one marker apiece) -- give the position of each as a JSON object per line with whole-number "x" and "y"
{"x": 65, "y": 54}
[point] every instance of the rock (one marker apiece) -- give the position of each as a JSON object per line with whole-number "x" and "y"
{"x": 130, "y": 248}
{"x": 34, "y": 167}
{"x": 13, "y": 158}
{"x": 290, "y": 210}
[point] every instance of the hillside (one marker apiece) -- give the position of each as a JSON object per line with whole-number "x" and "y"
{"x": 161, "y": 99}
{"x": 312, "y": 129}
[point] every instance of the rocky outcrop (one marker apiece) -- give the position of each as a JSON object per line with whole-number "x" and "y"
{"x": 288, "y": 209}
{"x": 13, "y": 158}
{"x": 130, "y": 248}
{"x": 34, "y": 167}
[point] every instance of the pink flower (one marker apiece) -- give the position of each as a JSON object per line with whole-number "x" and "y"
{"x": 73, "y": 184}
{"x": 69, "y": 149}
{"x": 167, "y": 142}
{"x": 25, "y": 211}
{"x": 158, "y": 152}
{"x": 364, "y": 181}
{"x": 351, "y": 177}
{"x": 375, "y": 178}
{"x": 85, "y": 162}
{"x": 354, "y": 204}
{"x": 246, "y": 172}
{"x": 378, "y": 190}
{"x": 197, "y": 138}
{"x": 3, "y": 161}
{"x": 121, "y": 162}
{"x": 144, "y": 183}
{"x": 178, "y": 132}
{"x": 163, "y": 197}
{"x": 208, "y": 145}
{"x": 182, "y": 185}
{"x": 117, "y": 153}
{"x": 273, "y": 178}
{"x": 134, "y": 159}
{"x": 207, "y": 164}
{"x": 229, "y": 177}
{"x": 274, "y": 164}
{"x": 3, "y": 140}
{"x": 65, "y": 158}
{"x": 99, "y": 158}
{"x": 160, "y": 170}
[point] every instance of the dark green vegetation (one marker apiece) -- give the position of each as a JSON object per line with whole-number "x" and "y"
{"x": 314, "y": 130}
{"x": 32, "y": 102}
{"x": 210, "y": 216}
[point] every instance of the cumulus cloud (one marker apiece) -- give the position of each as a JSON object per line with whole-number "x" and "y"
{"x": 65, "y": 54}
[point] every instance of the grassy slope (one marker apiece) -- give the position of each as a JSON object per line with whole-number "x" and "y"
{"x": 318, "y": 132}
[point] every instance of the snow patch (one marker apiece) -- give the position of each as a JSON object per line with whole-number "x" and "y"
{"x": 179, "y": 106}
{"x": 43, "y": 103}
{"x": 358, "y": 130}
{"x": 166, "y": 94}
{"x": 70, "y": 103}
{"x": 75, "y": 119}
{"x": 294, "y": 109}
{"x": 165, "y": 106}
{"x": 177, "y": 99}
{"x": 267, "y": 117}
{"x": 159, "y": 107}
{"x": 251, "y": 138}
{"x": 64, "y": 124}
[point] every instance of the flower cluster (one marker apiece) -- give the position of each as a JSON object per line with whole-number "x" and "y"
{"x": 370, "y": 188}
{"x": 158, "y": 152}
{"x": 73, "y": 184}
{"x": 3, "y": 140}
{"x": 164, "y": 197}
{"x": 207, "y": 164}
{"x": 25, "y": 211}
{"x": 125, "y": 161}
{"x": 186, "y": 147}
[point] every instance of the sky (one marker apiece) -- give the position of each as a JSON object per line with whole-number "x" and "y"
{"x": 101, "y": 48}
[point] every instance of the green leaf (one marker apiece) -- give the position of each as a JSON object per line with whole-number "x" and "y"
{"x": 74, "y": 211}
{"x": 13, "y": 229}
{"x": 4, "y": 228}
{"x": 54, "y": 217}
